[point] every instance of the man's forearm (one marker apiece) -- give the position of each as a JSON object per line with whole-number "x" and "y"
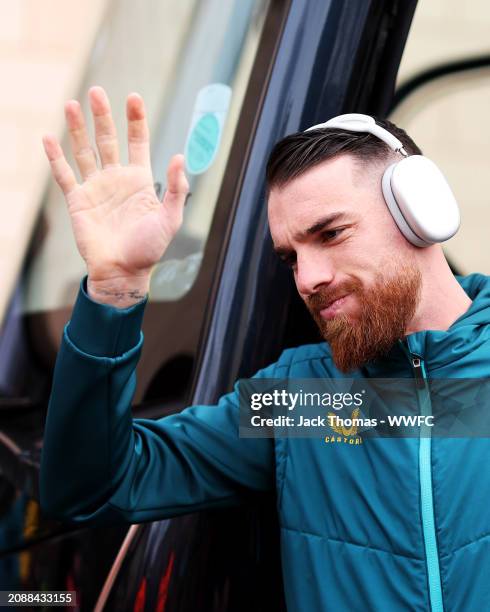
{"x": 88, "y": 433}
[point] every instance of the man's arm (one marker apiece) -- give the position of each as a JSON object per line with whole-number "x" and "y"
{"x": 99, "y": 464}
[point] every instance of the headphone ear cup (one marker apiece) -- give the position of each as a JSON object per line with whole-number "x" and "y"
{"x": 421, "y": 201}
{"x": 395, "y": 211}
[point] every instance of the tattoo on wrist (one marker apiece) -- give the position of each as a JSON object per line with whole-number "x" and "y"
{"x": 133, "y": 294}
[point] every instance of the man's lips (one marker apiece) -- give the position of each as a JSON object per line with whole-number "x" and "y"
{"x": 331, "y": 309}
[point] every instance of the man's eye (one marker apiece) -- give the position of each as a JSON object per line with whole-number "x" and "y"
{"x": 331, "y": 234}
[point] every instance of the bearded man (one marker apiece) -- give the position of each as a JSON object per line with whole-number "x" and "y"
{"x": 389, "y": 524}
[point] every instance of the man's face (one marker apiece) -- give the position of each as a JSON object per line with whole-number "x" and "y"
{"x": 355, "y": 271}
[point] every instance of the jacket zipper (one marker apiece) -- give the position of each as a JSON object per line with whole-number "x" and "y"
{"x": 426, "y": 491}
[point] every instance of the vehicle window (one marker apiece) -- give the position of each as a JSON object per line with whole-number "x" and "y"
{"x": 449, "y": 121}
{"x": 191, "y": 61}
{"x": 448, "y": 116}
{"x": 444, "y": 31}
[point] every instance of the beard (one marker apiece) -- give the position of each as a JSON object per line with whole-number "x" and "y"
{"x": 384, "y": 312}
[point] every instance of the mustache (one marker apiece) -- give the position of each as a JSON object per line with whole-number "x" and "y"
{"x": 327, "y": 295}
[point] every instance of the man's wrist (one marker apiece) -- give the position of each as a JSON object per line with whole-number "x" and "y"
{"x": 100, "y": 330}
{"x": 120, "y": 292}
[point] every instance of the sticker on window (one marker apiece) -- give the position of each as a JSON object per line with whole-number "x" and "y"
{"x": 208, "y": 119}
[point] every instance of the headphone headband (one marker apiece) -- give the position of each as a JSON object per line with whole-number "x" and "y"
{"x": 356, "y": 122}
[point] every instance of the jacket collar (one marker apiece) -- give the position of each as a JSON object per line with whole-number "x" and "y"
{"x": 444, "y": 352}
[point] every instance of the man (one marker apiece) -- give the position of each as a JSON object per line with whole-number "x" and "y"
{"x": 389, "y": 524}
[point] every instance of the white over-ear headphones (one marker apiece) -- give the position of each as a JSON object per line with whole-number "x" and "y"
{"x": 415, "y": 190}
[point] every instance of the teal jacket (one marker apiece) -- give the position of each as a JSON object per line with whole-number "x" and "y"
{"x": 391, "y": 524}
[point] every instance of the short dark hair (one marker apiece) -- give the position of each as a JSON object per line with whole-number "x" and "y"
{"x": 297, "y": 153}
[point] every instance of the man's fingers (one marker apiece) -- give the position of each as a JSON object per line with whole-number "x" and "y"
{"x": 60, "y": 168}
{"x": 82, "y": 151}
{"x": 177, "y": 185}
{"x": 105, "y": 130}
{"x": 138, "y": 134}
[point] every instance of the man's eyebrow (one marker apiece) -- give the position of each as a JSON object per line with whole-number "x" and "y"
{"x": 319, "y": 225}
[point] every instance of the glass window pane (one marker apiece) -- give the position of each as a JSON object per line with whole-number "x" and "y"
{"x": 448, "y": 118}
{"x": 169, "y": 52}
{"x": 444, "y": 31}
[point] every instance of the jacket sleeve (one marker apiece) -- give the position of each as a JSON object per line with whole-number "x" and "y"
{"x": 100, "y": 464}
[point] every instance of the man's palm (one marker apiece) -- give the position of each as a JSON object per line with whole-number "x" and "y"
{"x": 118, "y": 219}
{"x": 121, "y": 228}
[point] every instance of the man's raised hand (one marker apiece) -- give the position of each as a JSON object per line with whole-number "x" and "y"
{"x": 121, "y": 227}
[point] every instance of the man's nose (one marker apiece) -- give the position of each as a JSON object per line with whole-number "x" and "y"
{"x": 312, "y": 272}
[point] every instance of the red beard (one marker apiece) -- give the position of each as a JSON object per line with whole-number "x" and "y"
{"x": 384, "y": 312}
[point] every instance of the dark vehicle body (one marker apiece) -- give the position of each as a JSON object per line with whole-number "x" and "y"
{"x": 316, "y": 59}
